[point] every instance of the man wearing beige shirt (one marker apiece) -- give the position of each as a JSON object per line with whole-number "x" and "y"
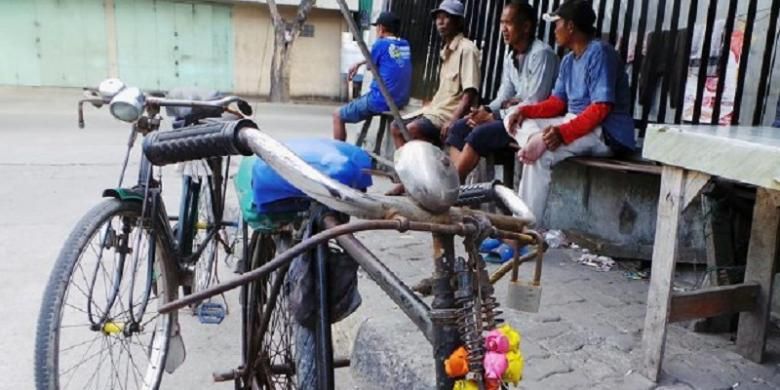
{"x": 459, "y": 80}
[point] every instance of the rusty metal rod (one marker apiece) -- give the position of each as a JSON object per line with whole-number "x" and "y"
{"x": 287, "y": 256}
{"x": 374, "y": 69}
{"x": 394, "y": 287}
{"x": 508, "y": 266}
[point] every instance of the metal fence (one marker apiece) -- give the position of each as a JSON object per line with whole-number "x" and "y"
{"x": 679, "y": 64}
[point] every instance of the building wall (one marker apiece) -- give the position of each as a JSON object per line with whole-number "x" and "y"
{"x": 50, "y": 42}
{"x": 315, "y": 60}
{"x": 160, "y": 44}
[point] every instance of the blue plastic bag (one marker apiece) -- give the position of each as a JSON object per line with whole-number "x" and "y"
{"x": 339, "y": 160}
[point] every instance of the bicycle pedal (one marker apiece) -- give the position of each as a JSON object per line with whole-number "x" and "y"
{"x": 211, "y": 313}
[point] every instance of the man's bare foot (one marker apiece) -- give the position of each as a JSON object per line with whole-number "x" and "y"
{"x": 396, "y": 191}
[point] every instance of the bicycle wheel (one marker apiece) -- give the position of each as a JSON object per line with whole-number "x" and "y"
{"x": 92, "y": 331}
{"x": 205, "y": 266}
{"x": 270, "y": 331}
{"x": 225, "y": 243}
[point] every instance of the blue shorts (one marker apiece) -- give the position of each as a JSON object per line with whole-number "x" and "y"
{"x": 357, "y": 110}
{"x": 485, "y": 139}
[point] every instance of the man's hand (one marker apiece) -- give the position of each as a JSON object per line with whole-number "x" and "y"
{"x": 445, "y": 129}
{"x": 552, "y": 137}
{"x": 533, "y": 149}
{"x": 353, "y": 70}
{"x": 478, "y": 116}
{"x": 510, "y": 102}
{"x": 514, "y": 120}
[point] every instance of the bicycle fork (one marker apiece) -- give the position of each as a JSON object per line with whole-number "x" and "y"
{"x": 444, "y": 312}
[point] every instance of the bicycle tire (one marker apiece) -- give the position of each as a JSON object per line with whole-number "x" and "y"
{"x": 71, "y": 268}
{"x": 272, "y": 356}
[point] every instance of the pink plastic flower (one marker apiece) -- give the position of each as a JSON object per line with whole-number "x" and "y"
{"x": 495, "y": 341}
{"x": 495, "y": 365}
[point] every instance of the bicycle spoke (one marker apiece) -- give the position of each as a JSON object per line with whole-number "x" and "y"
{"x": 84, "y": 325}
{"x": 91, "y": 340}
{"x": 75, "y": 308}
{"x": 114, "y": 366}
{"x": 102, "y": 342}
{"x": 79, "y": 364}
{"x": 130, "y": 360}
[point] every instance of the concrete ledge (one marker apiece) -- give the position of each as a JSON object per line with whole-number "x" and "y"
{"x": 614, "y": 213}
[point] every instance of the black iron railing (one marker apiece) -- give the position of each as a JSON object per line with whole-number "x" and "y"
{"x": 617, "y": 21}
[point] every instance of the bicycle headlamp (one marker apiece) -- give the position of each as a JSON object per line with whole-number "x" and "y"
{"x": 428, "y": 175}
{"x": 128, "y": 105}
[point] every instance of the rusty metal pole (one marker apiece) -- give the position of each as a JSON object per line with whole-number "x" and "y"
{"x": 443, "y": 309}
{"x": 374, "y": 70}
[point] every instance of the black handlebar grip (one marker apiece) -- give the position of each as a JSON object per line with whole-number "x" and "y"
{"x": 476, "y": 194}
{"x": 212, "y": 139}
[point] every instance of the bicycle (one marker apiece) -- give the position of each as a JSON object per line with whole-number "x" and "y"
{"x": 277, "y": 351}
{"x": 127, "y": 255}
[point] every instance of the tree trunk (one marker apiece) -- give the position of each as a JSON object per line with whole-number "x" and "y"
{"x": 284, "y": 36}
{"x": 280, "y": 69}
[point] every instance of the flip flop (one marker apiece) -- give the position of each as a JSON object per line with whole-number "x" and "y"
{"x": 500, "y": 254}
{"x": 489, "y": 244}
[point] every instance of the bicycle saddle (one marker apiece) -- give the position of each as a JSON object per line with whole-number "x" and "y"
{"x": 193, "y": 114}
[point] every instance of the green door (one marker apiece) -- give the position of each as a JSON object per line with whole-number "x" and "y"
{"x": 52, "y": 43}
{"x": 164, "y": 44}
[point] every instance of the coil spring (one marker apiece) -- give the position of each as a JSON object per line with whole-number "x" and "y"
{"x": 490, "y": 312}
{"x": 469, "y": 333}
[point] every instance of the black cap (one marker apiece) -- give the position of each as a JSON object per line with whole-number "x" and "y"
{"x": 579, "y": 12}
{"x": 387, "y": 19}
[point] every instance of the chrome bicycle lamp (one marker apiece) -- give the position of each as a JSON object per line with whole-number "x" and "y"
{"x": 128, "y": 105}
{"x": 428, "y": 175}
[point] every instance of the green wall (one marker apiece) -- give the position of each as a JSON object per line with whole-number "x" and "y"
{"x": 159, "y": 44}
{"x": 163, "y": 44}
{"x": 52, "y": 43}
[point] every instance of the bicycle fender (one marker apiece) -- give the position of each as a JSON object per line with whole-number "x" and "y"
{"x": 123, "y": 194}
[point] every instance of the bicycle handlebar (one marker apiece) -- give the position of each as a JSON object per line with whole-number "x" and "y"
{"x": 219, "y": 103}
{"x": 224, "y": 138}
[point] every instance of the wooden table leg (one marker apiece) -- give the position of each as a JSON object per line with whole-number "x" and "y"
{"x": 763, "y": 250}
{"x": 670, "y": 207}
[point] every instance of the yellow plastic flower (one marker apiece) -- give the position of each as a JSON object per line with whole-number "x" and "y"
{"x": 512, "y": 335}
{"x": 514, "y": 373}
{"x": 464, "y": 384}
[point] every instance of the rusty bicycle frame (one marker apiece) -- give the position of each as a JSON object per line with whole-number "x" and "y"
{"x": 439, "y": 322}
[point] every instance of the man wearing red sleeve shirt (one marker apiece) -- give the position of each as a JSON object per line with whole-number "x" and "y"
{"x": 588, "y": 112}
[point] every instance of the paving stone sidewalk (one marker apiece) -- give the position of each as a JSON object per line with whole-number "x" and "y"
{"x": 587, "y": 334}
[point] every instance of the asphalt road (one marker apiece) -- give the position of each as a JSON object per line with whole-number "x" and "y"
{"x": 51, "y": 173}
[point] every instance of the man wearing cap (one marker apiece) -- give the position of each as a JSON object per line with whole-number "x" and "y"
{"x": 459, "y": 80}
{"x": 529, "y": 72}
{"x": 588, "y": 113}
{"x": 393, "y": 59}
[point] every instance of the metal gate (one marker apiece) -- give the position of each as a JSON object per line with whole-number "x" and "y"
{"x": 704, "y": 85}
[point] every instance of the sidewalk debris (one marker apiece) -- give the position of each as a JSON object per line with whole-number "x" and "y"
{"x": 554, "y": 238}
{"x": 601, "y": 263}
{"x": 637, "y": 275}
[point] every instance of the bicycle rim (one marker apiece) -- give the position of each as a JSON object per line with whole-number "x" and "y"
{"x": 271, "y": 350}
{"x": 118, "y": 346}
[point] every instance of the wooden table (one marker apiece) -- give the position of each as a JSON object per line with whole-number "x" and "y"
{"x": 691, "y": 156}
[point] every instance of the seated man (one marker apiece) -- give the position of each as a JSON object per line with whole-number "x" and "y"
{"x": 459, "y": 80}
{"x": 591, "y": 89}
{"x": 530, "y": 68}
{"x": 394, "y": 62}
